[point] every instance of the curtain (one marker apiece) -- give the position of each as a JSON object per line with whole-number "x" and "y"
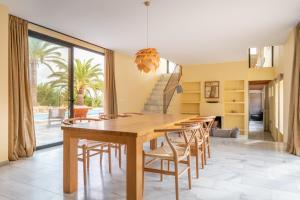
{"x": 21, "y": 125}
{"x": 293, "y": 145}
{"x": 110, "y": 96}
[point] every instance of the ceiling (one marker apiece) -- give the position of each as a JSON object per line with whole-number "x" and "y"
{"x": 187, "y": 32}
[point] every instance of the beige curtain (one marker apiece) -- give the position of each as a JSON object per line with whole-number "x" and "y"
{"x": 110, "y": 96}
{"x": 293, "y": 145}
{"x": 21, "y": 125}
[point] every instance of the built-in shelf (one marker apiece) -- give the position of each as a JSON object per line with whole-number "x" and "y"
{"x": 239, "y": 91}
{"x": 191, "y": 97}
{"x": 191, "y": 92}
{"x": 185, "y": 102}
{"x": 241, "y": 114}
{"x": 234, "y": 105}
{"x": 234, "y": 102}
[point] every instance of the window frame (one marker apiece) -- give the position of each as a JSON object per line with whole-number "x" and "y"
{"x": 249, "y": 57}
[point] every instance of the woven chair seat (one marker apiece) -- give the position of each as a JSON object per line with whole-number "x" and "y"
{"x": 165, "y": 153}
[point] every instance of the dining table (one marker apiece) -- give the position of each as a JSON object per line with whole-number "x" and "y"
{"x": 132, "y": 131}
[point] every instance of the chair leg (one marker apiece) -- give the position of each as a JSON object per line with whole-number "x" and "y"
{"x": 143, "y": 176}
{"x": 109, "y": 158}
{"x": 120, "y": 156}
{"x": 116, "y": 150}
{"x": 189, "y": 172}
{"x": 204, "y": 151}
{"x": 208, "y": 147}
{"x": 88, "y": 159}
{"x": 168, "y": 165}
{"x": 176, "y": 179}
{"x": 84, "y": 160}
{"x": 202, "y": 155}
{"x": 161, "y": 168}
{"x": 197, "y": 160}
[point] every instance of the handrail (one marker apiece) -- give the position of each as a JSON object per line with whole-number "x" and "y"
{"x": 171, "y": 87}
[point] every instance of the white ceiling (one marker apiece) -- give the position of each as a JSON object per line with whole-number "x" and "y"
{"x": 185, "y": 31}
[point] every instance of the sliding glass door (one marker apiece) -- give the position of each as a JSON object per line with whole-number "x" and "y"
{"x": 66, "y": 81}
{"x": 49, "y": 79}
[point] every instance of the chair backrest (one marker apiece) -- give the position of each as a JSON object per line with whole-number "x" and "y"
{"x": 71, "y": 121}
{"x": 188, "y": 134}
{"x": 208, "y": 122}
{"x": 200, "y": 133}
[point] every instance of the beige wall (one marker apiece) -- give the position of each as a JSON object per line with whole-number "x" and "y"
{"x": 4, "y": 84}
{"x": 284, "y": 55}
{"x": 221, "y": 72}
{"x": 133, "y": 87}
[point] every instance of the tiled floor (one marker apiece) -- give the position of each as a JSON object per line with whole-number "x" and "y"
{"x": 239, "y": 169}
{"x": 256, "y": 131}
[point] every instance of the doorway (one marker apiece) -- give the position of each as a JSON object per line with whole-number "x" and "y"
{"x": 258, "y": 111}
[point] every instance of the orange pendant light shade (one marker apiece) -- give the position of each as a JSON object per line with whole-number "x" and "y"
{"x": 147, "y": 60}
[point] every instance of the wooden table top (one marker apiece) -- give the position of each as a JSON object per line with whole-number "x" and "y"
{"x": 130, "y": 126}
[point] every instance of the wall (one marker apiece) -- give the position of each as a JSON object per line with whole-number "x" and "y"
{"x": 214, "y": 72}
{"x": 284, "y": 55}
{"x": 4, "y": 84}
{"x": 133, "y": 87}
{"x": 221, "y": 72}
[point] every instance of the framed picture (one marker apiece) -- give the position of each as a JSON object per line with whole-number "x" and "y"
{"x": 212, "y": 89}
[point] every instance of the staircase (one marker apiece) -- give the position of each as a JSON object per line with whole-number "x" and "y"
{"x": 154, "y": 103}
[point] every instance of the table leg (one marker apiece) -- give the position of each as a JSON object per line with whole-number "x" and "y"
{"x": 70, "y": 163}
{"x": 134, "y": 169}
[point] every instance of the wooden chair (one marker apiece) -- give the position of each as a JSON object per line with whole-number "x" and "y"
{"x": 174, "y": 153}
{"x": 198, "y": 147}
{"x": 90, "y": 148}
{"x": 208, "y": 122}
{"x": 117, "y": 147}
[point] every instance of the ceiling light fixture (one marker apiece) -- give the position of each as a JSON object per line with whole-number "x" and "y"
{"x": 147, "y": 59}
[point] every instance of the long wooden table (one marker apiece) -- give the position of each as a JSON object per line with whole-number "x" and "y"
{"x": 132, "y": 131}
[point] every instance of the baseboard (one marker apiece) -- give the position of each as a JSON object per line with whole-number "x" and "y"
{"x": 2, "y": 163}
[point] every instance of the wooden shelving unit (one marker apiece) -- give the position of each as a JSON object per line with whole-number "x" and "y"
{"x": 234, "y": 105}
{"x": 191, "y": 97}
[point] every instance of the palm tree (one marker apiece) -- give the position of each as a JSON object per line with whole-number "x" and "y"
{"x": 42, "y": 53}
{"x": 87, "y": 76}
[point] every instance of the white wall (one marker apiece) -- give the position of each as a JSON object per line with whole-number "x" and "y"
{"x": 3, "y": 84}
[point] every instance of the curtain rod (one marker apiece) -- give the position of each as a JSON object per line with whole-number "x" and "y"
{"x": 61, "y": 33}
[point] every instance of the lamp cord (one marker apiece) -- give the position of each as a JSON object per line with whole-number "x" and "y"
{"x": 147, "y": 26}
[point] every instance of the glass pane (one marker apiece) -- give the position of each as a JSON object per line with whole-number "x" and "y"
{"x": 49, "y": 87}
{"x": 261, "y": 57}
{"x": 163, "y": 66}
{"x": 171, "y": 67}
{"x": 88, "y": 83}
